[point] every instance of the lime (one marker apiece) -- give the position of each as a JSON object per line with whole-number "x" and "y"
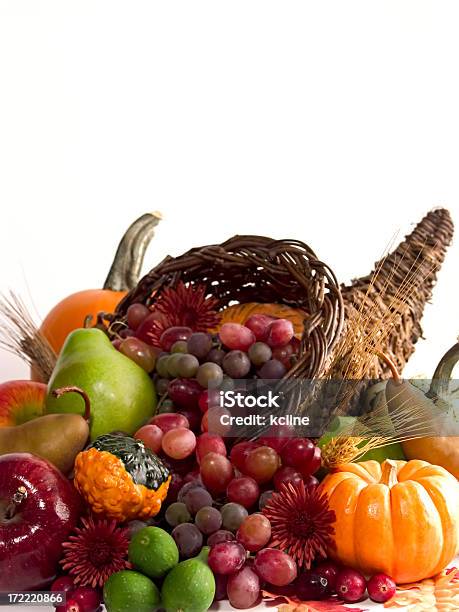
{"x": 153, "y": 552}
{"x": 127, "y": 590}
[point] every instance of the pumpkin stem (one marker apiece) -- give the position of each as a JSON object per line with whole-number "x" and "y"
{"x": 125, "y": 270}
{"x": 442, "y": 375}
{"x": 389, "y": 473}
{"x": 87, "y": 404}
{"x": 16, "y": 500}
{"x": 391, "y": 364}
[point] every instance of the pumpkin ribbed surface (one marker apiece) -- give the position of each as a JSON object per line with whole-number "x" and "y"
{"x": 400, "y": 518}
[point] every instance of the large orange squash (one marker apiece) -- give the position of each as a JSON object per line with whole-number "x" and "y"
{"x": 239, "y": 313}
{"x": 400, "y": 518}
{"x": 71, "y": 312}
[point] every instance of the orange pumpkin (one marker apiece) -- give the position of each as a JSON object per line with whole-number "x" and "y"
{"x": 239, "y": 313}
{"x": 71, "y": 312}
{"x": 400, "y": 518}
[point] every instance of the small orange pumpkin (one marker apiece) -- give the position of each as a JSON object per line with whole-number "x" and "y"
{"x": 400, "y": 518}
{"x": 239, "y": 313}
{"x": 71, "y": 312}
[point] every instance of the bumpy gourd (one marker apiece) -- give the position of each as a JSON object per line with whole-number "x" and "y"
{"x": 400, "y": 518}
{"x": 120, "y": 478}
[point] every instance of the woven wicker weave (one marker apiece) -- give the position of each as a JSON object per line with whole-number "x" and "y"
{"x": 254, "y": 268}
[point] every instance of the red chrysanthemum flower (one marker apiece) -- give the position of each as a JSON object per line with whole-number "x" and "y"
{"x": 98, "y": 550}
{"x": 184, "y": 305}
{"x": 301, "y": 522}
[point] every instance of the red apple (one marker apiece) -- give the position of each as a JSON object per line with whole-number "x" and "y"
{"x": 39, "y": 508}
{"x": 21, "y": 401}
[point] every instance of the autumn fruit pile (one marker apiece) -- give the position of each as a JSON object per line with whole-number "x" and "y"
{"x": 167, "y": 509}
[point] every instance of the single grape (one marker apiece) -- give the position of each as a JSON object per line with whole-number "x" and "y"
{"x": 134, "y": 526}
{"x": 171, "y": 335}
{"x": 169, "y": 420}
{"x": 148, "y": 328}
{"x": 297, "y": 452}
{"x": 233, "y": 516}
{"x": 179, "y": 443}
{"x": 280, "y": 332}
{"x": 215, "y": 355}
{"x": 216, "y": 421}
{"x": 262, "y": 463}
{"x": 216, "y": 472}
{"x": 187, "y": 366}
{"x": 277, "y": 437}
{"x": 313, "y": 465}
{"x": 239, "y": 454}
{"x": 197, "y": 498}
{"x": 209, "y": 443}
{"x": 63, "y": 584}
{"x": 187, "y": 486}
{"x": 228, "y": 383}
{"x": 185, "y": 392}
{"x": 116, "y": 343}
{"x": 264, "y": 498}
{"x": 272, "y": 370}
{"x": 236, "y": 336}
{"x": 135, "y": 314}
{"x": 275, "y": 566}
{"x": 209, "y": 398}
{"x": 254, "y": 532}
{"x": 226, "y": 557}
{"x": 259, "y": 353}
{"x": 209, "y": 375}
{"x": 179, "y": 347}
{"x": 243, "y": 490}
{"x": 188, "y": 538}
{"x": 151, "y": 436}
{"x": 222, "y": 535}
{"x": 286, "y": 474}
{"x": 199, "y": 344}
{"x": 286, "y": 354}
{"x": 259, "y": 324}
{"x": 243, "y": 588}
{"x": 236, "y": 364}
{"x": 87, "y": 598}
{"x": 310, "y": 481}
{"x": 208, "y": 520}
{"x": 310, "y": 586}
{"x": 173, "y": 362}
{"x": 161, "y": 365}
{"x": 176, "y": 514}
{"x": 142, "y": 354}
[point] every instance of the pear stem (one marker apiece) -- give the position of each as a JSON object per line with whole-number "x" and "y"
{"x": 87, "y": 403}
{"x": 391, "y": 364}
{"x": 16, "y": 501}
{"x": 389, "y": 473}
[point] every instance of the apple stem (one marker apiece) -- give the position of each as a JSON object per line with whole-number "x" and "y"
{"x": 87, "y": 404}
{"x": 16, "y": 501}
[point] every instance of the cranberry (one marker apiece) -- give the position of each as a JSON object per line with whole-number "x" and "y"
{"x": 381, "y": 588}
{"x": 70, "y": 606}
{"x": 329, "y": 571}
{"x": 350, "y": 585}
{"x": 309, "y": 586}
{"x": 63, "y": 584}
{"x": 88, "y": 599}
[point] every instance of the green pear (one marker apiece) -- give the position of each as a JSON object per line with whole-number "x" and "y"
{"x": 122, "y": 394}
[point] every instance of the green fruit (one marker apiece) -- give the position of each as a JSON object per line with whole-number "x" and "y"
{"x": 126, "y": 591}
{"x": 122, "y": 394}
{"x": 153, "y": 552}
{"x": 190, "y": 586}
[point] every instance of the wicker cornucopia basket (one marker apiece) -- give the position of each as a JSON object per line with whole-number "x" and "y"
{"x": 255, "y": 268}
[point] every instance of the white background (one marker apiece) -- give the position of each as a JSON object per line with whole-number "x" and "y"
{"x": 333, "y": 122}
